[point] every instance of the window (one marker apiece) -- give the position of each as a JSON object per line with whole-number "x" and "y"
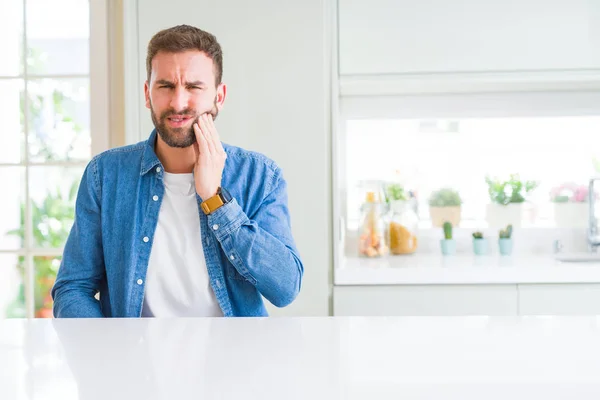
{"x": 424, "y": 155}
{"x": 46, "y": 142}
{"x": 430, "y": 141}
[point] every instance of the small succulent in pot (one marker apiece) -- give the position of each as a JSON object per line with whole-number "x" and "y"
{"x": 506, "y": 233}
{"x": 447, "y": 243}
{"x": 505, "y": 242}
{"x": 447, "y": 230}
{"x": 480, "y": 246}
{"x": 478, "y": 235}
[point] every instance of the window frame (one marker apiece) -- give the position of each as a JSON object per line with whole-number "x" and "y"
{"x": 370, "y": 104}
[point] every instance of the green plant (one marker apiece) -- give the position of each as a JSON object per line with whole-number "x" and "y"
{"x": 478, "y": 235}
{"x": 447, "y": 230}
{"x": 506, "y": 233}
{"x": 512, "y": 191}
{"x": 445, "y": 197}
{"x": 52, "y": 219}
{"x": 395, "y": 191}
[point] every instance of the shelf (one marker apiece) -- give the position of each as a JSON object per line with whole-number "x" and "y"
{"x": 462, "y": 269}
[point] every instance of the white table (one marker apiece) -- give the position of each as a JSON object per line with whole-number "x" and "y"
{"x": 302, "y": 358}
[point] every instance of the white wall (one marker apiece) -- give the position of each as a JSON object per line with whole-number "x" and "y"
{"x": 277, "y": 68}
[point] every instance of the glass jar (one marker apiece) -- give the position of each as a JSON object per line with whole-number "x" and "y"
{"x": 403, "y": 227}
{"x": 373, "y": 233}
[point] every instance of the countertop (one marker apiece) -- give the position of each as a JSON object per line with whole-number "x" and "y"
{"x": 420, "y": 269}
{"x": 302, "y": 358}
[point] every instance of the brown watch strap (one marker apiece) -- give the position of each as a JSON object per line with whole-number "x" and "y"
{"x": 212, "y": 204}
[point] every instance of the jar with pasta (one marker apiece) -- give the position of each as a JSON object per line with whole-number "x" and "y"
{"x": 372, "y": 240}
{"x": 403, "y": 227}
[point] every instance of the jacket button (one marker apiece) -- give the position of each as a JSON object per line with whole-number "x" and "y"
{"x": 146, "y": 239}
{"x": 139, "y": 281}
{"x": 215, "y": 227}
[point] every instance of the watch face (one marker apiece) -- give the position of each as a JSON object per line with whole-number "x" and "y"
{"x": 225, "y": 195}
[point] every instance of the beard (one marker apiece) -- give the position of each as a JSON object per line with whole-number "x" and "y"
{"x": 179, "y": 137}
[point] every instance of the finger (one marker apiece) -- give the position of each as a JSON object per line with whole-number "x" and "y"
{"x": 207, "y": 134}
{"x": 196, "y": 149}
{"x": 216, "y": 136}
{"x": 197, "y": 132}
{"x": 202, "y": 145}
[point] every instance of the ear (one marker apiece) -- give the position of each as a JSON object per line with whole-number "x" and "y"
{"x": 221, "y": 94}
{"x": 147, "y": 94}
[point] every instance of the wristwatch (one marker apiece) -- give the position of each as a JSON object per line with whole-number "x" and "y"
{"x": 212, "y": 204}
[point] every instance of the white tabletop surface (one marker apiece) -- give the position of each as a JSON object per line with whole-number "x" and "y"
{"x": 302, "y": 358}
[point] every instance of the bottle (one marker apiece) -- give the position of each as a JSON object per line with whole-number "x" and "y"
{"x": 403, "y": 227}
{"x": 373, "y": 231}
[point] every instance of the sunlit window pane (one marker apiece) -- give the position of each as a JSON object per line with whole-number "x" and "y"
{"x": 11, "y": 37}
{"x": 59, "y": 120}
{"x": 426, "y": 155}
{"x": 12, "y": 289}
{"x": 53, "y": 193}
{"x": 12, "y": 117}
{"x": 58, "y": 33}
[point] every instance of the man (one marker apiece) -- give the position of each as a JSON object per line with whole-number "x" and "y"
{"x": 179, "y": 225}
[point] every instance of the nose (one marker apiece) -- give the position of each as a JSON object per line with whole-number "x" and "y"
{"x": 179, "y": 99}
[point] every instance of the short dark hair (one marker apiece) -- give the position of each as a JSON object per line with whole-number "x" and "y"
{"x": 182, "y": 38}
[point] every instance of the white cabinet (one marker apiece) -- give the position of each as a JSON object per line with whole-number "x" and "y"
{"x": 451, "y": 300}
{"x": 412, "y": 300}
{"x": 440, "y": 36}
{"x": 559, "y": 299}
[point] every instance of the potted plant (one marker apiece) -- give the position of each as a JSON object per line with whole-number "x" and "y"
{"x": 507, "y": 198}
{"x": 570, "y": 205}
{"x": 447, "y": 243}
{"x": 505, "y": 243}
{"x": 395, "y": 192}
{"x": 445, "y": 205}
{"x": 480, "y": 244}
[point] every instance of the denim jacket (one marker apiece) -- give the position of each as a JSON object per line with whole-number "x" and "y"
{"x": 248, "y": 245}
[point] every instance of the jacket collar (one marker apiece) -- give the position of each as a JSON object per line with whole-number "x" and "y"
{"x": 149, "y": 158}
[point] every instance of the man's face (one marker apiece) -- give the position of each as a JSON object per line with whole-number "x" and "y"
{"x": 181, "y": 89}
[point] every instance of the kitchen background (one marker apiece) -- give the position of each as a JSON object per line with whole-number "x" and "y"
{"x": 398, "y": 98}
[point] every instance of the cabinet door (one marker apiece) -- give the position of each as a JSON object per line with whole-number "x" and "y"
{"x": 425, "y": 300}
{"x": 433, "y": 36}
{"x": 559, "y": 299}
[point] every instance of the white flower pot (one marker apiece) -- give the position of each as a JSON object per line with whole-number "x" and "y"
{"x": 439, "y": 215}
{"x": 571, "y": 215}
{"x": 499, "y": 216}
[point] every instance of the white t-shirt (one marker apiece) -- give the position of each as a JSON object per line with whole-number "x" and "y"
{"x": 177, "y": 283}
